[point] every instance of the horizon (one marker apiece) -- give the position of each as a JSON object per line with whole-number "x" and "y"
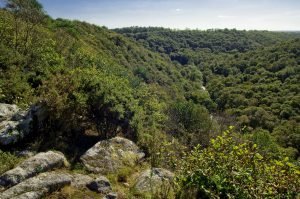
{"x": 271, "y": 15}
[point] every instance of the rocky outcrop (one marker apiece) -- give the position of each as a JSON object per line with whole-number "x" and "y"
{"x": 15, "y": 123}
{"x": 110, "y": 155}
{"x": 32, "y": 166}
{"x": 37, "y": 187}
{"x": 153, "y": 179}
{"x": 100, "y": 185}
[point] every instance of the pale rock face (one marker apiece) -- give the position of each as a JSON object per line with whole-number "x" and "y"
{"x": 32, "y": 166}
{"x": 37, "y": 187}
{"x": 108, "y": 156}
{"x": 14, "y": 123}
{"x": 7, "y": 111}
{"x": 9, "y": 133}
{"x": 153, "y": 179}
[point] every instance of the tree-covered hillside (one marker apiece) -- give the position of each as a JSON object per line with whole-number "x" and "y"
{"x": 172, "y": 92}
{"x": 216, "y": 40}
{"x": 252, "y": 76}
{"x": 89, "y": 77}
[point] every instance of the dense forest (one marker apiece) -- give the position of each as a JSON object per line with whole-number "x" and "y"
{"x": 219, "y": 108}
{"x": 252, "y": 76}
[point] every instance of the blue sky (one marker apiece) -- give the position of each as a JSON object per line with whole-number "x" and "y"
{"x": 181, "y": 14}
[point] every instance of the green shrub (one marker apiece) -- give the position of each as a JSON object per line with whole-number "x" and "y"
{"x": 7, "y": 161}
{"x": 89, "y": 96}
{"x": 230, "y": 169}
{"x": 190, "y": 123}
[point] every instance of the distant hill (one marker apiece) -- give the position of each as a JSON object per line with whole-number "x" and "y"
{"x": 250, "y": 75}
{"x": 216, "y": 40}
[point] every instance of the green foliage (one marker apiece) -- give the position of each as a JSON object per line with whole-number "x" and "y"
{"x": 90, "y": 96}
{"x": 265, "y": 142}
{"x": 288, "y": 134}
{"x": 7, "y": 161}
{"x": 190, "y": 123}
{"x": 29, "y": 10}
{"x": 173, "y": 41}
{"x": 269, "y": 145}
{"x": 149, "y": 88}
{"x": 251, "y": 76}
{"x": 228, "y": 168}
{"x": 87, "y": 77}
{"x": 79, "y": 168}
{"x": 15, "y": 88}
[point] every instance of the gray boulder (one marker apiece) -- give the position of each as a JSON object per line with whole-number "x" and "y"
{"x": 153, "y": 179}
{"x": 9, "y": 132}
{"x": 37, "y": 187}
{"x": 32, "y": 166}
{"x": 108, "y": 156}
{"x": 80, "y": 181}
{"x": 15, "y": 123}
{"x": 100, "y": 185}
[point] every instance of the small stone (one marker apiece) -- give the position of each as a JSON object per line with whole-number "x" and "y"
{"x": 100, "y": 185}
{"x": 81, "y": 181}
{"x": 111, "y": 196}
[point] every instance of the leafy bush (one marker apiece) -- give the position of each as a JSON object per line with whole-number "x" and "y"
{"x": 231, "y": 169}
{"x": 267, "y": 144}
{"x": 89, "y": 96}
{"x": 190, "y": 123}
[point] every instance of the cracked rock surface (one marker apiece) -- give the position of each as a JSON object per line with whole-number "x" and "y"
{"x": 37, "y": 187}
{"x": 34, "y": 165}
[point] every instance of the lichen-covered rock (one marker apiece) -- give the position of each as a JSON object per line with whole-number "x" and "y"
{"x": 32, "y": 166}
{"x": 80, "y": 181}
{"x": 110, "y": 155}
{"x": 7, "y": 111}
{"x": 37, "y": 187}
{"x": 152, "y": 179}
{"x": 100, "y": 185}
{"x": 9, "y": 132}
{"x": 15, "y": 123}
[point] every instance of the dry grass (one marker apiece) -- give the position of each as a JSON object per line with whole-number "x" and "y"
{"x": 74, "y": 193}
